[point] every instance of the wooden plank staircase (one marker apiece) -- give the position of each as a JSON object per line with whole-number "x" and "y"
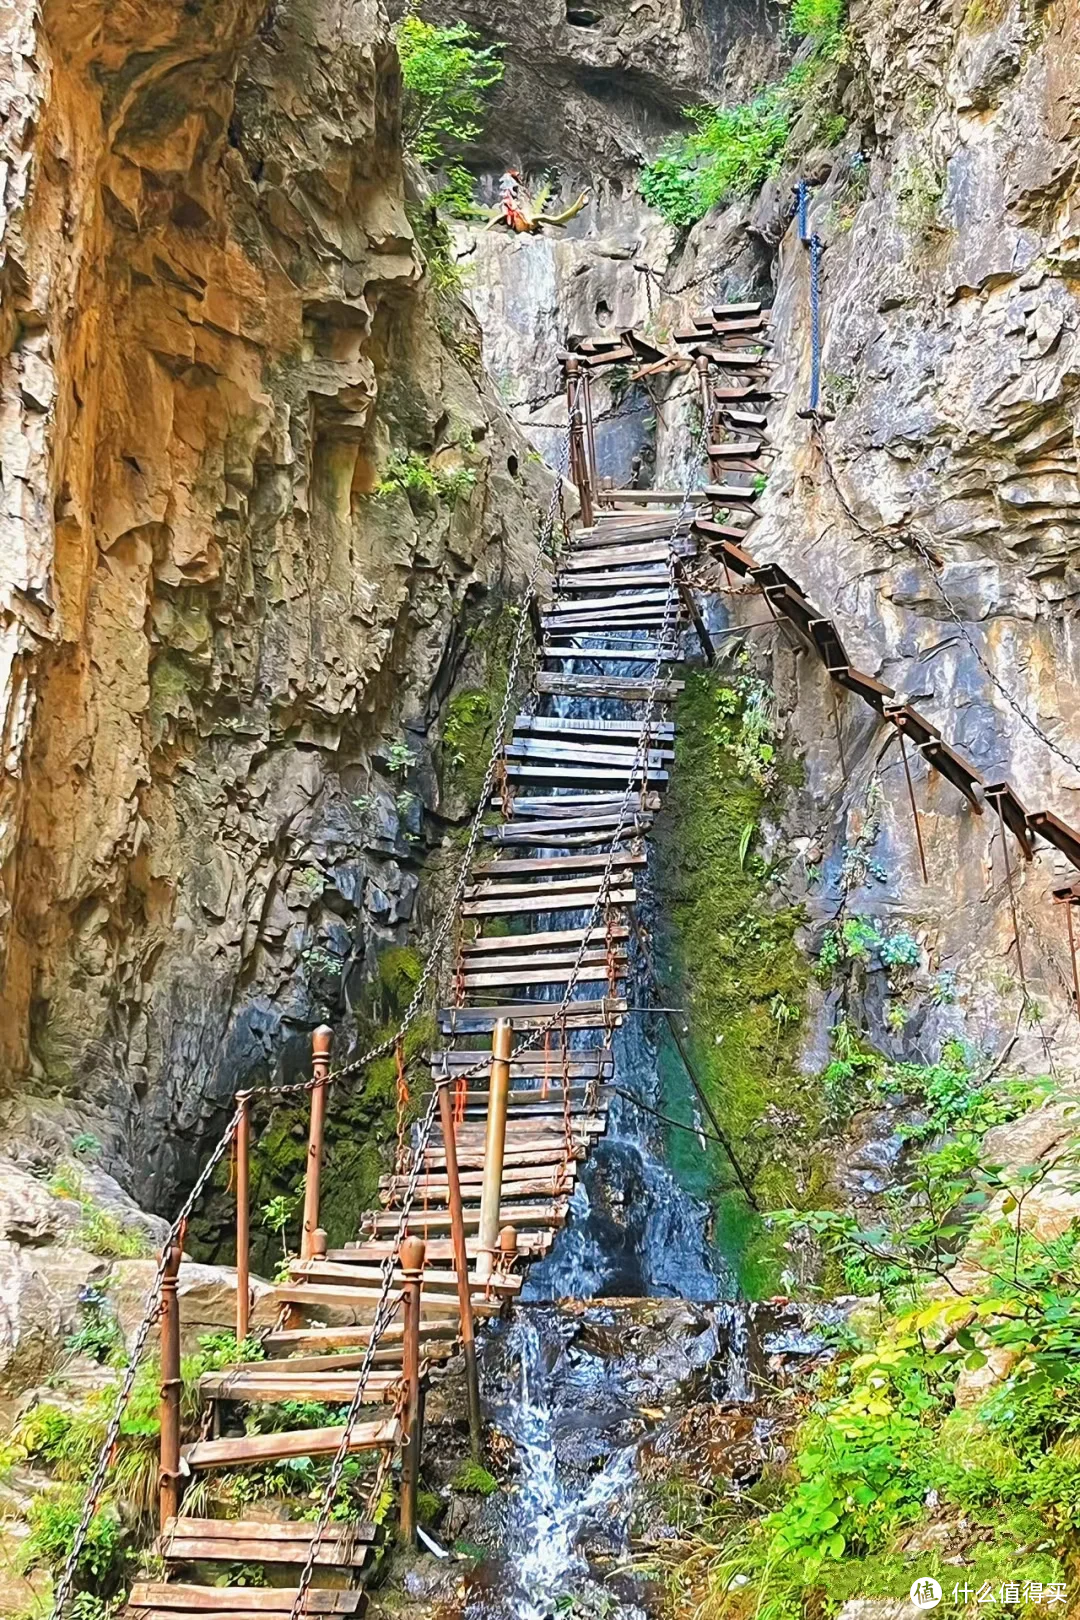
{"x": 549, "y": 913}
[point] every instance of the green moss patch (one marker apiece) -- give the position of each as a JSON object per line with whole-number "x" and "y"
{"x": 736, "y": 968}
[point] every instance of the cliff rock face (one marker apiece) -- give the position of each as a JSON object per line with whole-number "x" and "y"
{"x": 215, "y": 628}
{"x": 951, "y": 358}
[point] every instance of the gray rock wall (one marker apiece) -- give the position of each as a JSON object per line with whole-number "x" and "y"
{"x": 948, "y": 211}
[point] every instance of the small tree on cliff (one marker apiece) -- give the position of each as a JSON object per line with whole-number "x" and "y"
{"x": 446, "y": 73}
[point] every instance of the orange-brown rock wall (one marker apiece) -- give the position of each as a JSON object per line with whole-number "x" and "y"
{"x": 215, "y": 329}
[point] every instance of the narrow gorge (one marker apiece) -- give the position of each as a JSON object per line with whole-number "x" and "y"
{"x": 447, "y": 452}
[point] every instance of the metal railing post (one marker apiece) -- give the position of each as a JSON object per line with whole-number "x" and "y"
{"x": 502, "y": 1040}
{"x": 706, "y": 400}
{"x": 171, "y": 1386}
{"x": 579, "y": 469}
{"x": 461, "y": 1265}
{"x": 590, "y": 431}
{"x": 243, "y": 1217}
{"x": 320, "y": 1068}
{"x": 413, "y": 1252}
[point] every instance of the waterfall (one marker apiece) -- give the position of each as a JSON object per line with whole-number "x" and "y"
{"x": 559, "y": 1503}
{"x": 633, "y": 1230}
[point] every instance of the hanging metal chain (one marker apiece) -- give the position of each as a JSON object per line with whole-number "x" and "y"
{"x": 802, "y": 195}
{"x": 123, "y": 1394}
{"x": 384, "y": 1312}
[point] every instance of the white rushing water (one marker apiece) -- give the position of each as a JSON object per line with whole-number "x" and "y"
{"x": 556, "y": 1507}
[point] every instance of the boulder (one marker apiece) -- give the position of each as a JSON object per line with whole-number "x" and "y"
{"x": 39, "y": 1308}
{"x": 207, "y": 1296}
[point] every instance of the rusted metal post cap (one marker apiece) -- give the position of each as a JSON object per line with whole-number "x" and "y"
{"x": 508, "y": 1242}
{"x": 413, "y": 1250}
{"x": 321, "y": 1041}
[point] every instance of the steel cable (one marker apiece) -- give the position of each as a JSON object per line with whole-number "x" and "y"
{"x": 995, "y": 680}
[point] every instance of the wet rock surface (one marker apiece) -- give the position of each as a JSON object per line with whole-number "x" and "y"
{"x": 598, "y": 1408}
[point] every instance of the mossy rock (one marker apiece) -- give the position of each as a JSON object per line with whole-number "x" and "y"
{"x": 739, "y": 973}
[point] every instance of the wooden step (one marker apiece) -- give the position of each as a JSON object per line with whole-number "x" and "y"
{"x": 624, "y": 554}
{"x": 359, "y": 1302}
{"x": 570, "y": 585}
{"x": 441, "y": 1334}
{"x": 614, "y": 602}
{"x": 595, "y": 1064}
{"x": 254, "y": 1448}
{"x": 746, "y": 419}
{"x": 559, "y": 750}
{"x": 356, "y": 1273}
{"x": 734, "y": 359}
{"x": 514, "y": 1176}
{"x": 739, "y": 448}
{"x": 224, "y": 1602}
{"x": 425, "y": 1221}
{"x": 606, "y": 731}
{"x": 552, "y": 863}
{"x": 730, "y": 494}
{"x": 556, "y": 937}
{"x": 534, "y": 1127}
{"x": 542, "y": 972}
{"x": 558, "y": 1180}
{"x": 545, "y": 1150}
{"x": 542, "y": 961}
{"x": 563, "y": 900}
{"x": 613, "y": 655}
{"x": 639, "y": 618}
{"x": 649, "y": 497}
{"x": 736, "y": 392}
{"x": 606, "y": 686}
{"x": 567, "y": 835}
{"x": 559, "y": 803}
{"x": 567, "y": 775}
{"x": 260, "y": 1541}
{"x": 527, "y": 1015}
{"x": 275, "y": 1385}
{"x": 547, "y": 884}
{"x": 439, "y": 1251}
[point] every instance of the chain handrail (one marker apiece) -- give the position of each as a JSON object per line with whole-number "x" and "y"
{"x": 384, "y": 1311}
{"x": 123, "y": 1395}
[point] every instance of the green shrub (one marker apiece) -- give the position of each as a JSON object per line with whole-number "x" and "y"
{"x": 816, "y": 19}
{"x": 53, "y": 1518}
{"x": 98, "y": 1334}
{"x": 99, "y": 1230}
{"x": 731, "y": 151}
{"x": 445, "y": 74}
{"x": 101, "y": 1233}
{"x": 412, "y": 475}
{"x": 473, "y": 1479}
